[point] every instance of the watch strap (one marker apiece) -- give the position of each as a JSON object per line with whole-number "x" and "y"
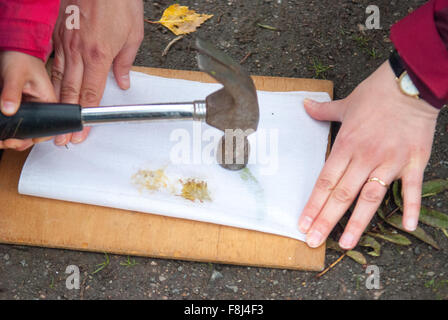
{"x": 396, "y": 64}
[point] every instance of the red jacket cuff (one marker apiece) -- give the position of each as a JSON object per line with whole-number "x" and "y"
{"x": 421, "y": 46}
{"x": 27, "y": 26}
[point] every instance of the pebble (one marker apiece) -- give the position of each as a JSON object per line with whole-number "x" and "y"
{"x": 6, "y": 257}
{"x": 216, "y": 275}
{"x": 430, "y": 274}
{"x": 233, "y": 288}
{"x": 162, "y": 278}
{"x": 417, "y": 251}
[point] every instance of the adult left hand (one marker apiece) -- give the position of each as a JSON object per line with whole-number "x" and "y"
{"x": 109, "y": 35}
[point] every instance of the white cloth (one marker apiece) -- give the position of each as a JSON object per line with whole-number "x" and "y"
{"x": 269, "y": 196}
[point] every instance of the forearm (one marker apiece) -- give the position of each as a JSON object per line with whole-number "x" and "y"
{"x": 27, "y": 26}
{"x": 422, "y": 42}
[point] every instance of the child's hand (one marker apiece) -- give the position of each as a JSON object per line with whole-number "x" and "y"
{"x": 22, "y": 76}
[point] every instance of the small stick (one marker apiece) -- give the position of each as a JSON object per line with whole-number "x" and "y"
{"x": 331, "y": 265}
{"x": 393, "y": 211}
{"x": 245, "y": 57}
{"x": 165, "y": 52}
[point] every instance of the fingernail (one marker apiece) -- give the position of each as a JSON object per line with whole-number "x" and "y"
{"x": 305, "y": 224}
{"x": 77, "y": 137}
{"x": 125, "y": 80}
{"x": 314, "y": 239}
{"x": 8, "y": 107}
{"x": 309, "y": 102}
{"x": 411, "y": 224}
{"x": 346, "y": 241}
{"x": 60, "y": 140}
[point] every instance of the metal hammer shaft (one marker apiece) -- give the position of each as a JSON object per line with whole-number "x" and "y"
{"x": 145, "y": 112}
{"x": 35, "y": 120}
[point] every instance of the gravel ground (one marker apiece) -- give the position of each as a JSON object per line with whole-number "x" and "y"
{"x": 310, "y": 33}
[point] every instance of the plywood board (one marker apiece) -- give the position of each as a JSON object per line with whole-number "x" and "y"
{"x": 43, "y": 222}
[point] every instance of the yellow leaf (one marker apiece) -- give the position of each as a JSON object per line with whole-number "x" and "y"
{"x": 181, "y": 20}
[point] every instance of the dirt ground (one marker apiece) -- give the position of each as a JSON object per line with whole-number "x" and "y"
{"x": 311, "y": 37}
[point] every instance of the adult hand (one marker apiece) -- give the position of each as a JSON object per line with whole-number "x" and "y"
{"x": 110, "y": 34}
{"x": 22, "y": 75}
{"x": 384, "y": 134}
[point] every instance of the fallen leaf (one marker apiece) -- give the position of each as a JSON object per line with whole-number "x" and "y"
{"x": 434, "y": 187}
{"x": 331, "y": 244}
{"x": 433, "y": 218}
{"x": 419, "y": 233}
{"x": 368, "y": 241}
{"x": 397, "y": 195}
{"x": 427, "y": 216}
{"x": 394, "y": 238}
{"x": 265, "y": 26}
{"x": 181, "y": 20}
{"x": 357, "y": 256}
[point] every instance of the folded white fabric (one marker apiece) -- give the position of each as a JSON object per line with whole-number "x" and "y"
{"x": 169, "y": 168}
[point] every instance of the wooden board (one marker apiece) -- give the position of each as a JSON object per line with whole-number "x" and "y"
{"x": 44, "y": 222}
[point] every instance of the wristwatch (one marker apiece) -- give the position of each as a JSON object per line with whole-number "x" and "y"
{"x": 402, "y": 77}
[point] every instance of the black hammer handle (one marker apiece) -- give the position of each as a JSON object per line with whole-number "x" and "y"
{"x": 36, "y": 120}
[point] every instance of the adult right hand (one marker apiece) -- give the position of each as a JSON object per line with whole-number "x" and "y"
{"x": 109, "y": 35}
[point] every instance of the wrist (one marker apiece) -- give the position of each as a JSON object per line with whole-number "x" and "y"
{"x": 417, "y": 105}
{"x": 410, "y": 84}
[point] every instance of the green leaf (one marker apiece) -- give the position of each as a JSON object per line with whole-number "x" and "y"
{"x": 331, "y": 244}
{"x": 391, "y": 237}
{"x": 433, "y": 218}
{"x": 428, "y": 216}
{"x": 434, "y": 187}
{"x": 397, "y": 196}
{"x": 367, "y": 241}
{"x": 419, "y": 233}
{"x": 357, "y": 256}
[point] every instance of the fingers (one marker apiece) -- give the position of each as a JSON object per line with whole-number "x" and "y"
{"x": 412, "y": 192}
{"x": 369, "y": 200}
{"x": 325, "y": 111}
{"x": 17, "y": 144}
{"x": 70, "y": 86}
{"x": 329, "y": 177}
{"x": 13, "y": 84}
{"x": 123, "y": 64}
{"x": 94, "y": 80}
{"x": 57, "y": 69}
{"x": 337, "y": 204}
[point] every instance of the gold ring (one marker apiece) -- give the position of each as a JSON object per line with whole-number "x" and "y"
{"x": 381, "y": 182}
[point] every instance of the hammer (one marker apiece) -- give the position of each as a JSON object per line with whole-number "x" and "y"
{"x": 232, "y": 109}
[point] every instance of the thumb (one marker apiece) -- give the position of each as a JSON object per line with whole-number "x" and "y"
{"x": 11, "y": 95}
{"x": 325, "y": 111}
{"x": 122, "y": 66}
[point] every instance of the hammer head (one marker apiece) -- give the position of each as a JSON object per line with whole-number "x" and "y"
{"x": 234, "y": 108}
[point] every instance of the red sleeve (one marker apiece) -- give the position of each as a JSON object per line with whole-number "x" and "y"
{"x": 27, "y": 26}
{"x": 421, "y": 39}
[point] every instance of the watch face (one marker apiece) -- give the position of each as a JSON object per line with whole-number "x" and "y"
{"x": 407, "y": 86}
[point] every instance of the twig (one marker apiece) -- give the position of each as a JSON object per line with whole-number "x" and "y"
{"x": 165, "y": 52}
{"x": 392, "y": 212}
{"x": 246, "y": 57}
{"x": 331, "y": 265}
